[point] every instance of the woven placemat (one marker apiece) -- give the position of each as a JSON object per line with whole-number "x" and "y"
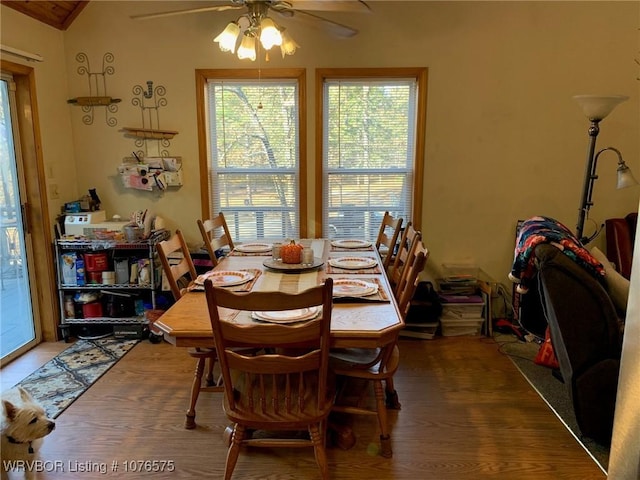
{"x": 337, "y": 270}
{"x": 381, "y": 296}
{"x": 245, "y": 287}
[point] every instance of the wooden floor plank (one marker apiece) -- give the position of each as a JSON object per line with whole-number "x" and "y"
{"x": 467, "y": 413}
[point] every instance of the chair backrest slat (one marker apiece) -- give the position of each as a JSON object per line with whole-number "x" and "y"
{"x": 179, "y": 272}
{"x": 409, "y": 284}
{"x": 215, "y": 235}
{"x": 388, "y": 237}
{"x": 404, "y": 257}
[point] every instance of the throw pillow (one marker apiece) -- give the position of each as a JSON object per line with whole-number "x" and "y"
{"x": 546, "y": 356}
{"x": 617, "y": 285}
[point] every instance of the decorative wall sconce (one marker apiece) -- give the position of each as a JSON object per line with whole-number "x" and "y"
{"x": 149, "y": 100}
{"x": 97, "y": 85}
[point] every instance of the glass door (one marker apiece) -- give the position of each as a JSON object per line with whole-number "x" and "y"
{"x": 18, "y": 331}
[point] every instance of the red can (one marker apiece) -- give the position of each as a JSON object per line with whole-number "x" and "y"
{"x": 93, "y": 309}
{"x": 96, "y": 262}
{"x": 94, "y": 277}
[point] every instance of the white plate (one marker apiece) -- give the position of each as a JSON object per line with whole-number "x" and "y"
{"x": 343, "y": 287}
{"x": 225, "y": 278}
{"x": 287, "y": 316}
{"x": 254, "y": 247}
{"x": 351, "y": 243}
{"x": 353, "y": 263}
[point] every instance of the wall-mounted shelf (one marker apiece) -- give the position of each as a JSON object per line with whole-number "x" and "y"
{"x": 149, "y": 133}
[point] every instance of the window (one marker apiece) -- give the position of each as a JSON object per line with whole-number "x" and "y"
{"x": 371, "y": 157}
{"x": 254, "y": 157}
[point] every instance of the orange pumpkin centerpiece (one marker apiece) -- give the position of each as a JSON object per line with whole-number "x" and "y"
{"x": 291, "y": 252}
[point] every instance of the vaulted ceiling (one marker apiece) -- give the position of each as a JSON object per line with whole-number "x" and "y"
{"x": 57, "y": 14}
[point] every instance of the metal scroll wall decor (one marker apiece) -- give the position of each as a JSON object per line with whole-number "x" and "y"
{"x": 149, "y": 100}
{"x": 97, "y": 84}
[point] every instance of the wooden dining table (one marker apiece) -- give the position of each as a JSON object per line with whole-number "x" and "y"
{"x": 365, "y": 322}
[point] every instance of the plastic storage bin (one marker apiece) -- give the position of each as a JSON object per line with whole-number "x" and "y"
{"x": 452, "y": 327}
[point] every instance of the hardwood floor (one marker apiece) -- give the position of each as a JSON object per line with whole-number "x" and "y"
{"x": 467, "y": 413}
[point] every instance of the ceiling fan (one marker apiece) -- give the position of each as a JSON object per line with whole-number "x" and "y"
{"x": 256, "y": 10}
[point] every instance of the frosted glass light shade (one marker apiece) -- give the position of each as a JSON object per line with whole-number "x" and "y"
{"x": 247, "y": 48}
{"x": 269, "y": 34}
{"x": 227, "y": 38}
{"x": 625, "y": 177}
{"x": 289, "y": 45}
{"x": 597, "y": 107}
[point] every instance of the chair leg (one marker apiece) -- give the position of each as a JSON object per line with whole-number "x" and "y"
{"x": 209, "y": 377}
{"x": 318, "y": 447}
{"x": 385, "y": 438}
{"x": 190, "y": 421}
{"x": 234, "y": 450}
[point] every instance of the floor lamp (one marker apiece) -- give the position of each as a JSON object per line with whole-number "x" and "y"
{"x": 596, "y": 108}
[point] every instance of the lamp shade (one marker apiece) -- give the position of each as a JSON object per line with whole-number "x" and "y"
{"x": 625, "y": 177}
{"x": 227, "y": 38}
{"x": 289, "y": 45}
{"x": 269, "y": 34}
{"x": 597, "y": 107}
{"x": 247, "y": 48}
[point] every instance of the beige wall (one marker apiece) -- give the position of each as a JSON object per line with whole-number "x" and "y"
{"x": 56, "y": 132}
{"x": 505, "y": 140}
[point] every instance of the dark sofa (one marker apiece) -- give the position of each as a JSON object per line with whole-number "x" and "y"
{"x": 585, "y": 335}
{"x": 620, "y": 233}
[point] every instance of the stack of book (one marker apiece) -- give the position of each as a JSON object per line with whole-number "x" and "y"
{"x": 459, "y": 280}
{"x": 462, "y": 314}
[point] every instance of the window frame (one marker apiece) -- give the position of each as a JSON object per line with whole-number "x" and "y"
{"x": 202, "y": 78}
{"x": 420, "y": 74}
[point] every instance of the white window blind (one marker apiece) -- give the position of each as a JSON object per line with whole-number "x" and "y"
{"x": 368, "y": 154}
{"x": 253, "y": 130}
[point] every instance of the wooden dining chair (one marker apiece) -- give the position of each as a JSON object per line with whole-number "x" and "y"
{"x": 283, "y": 388}
{"x": 404, "y": 256}
{"x": 215, "y": 235}
{"x": 374, "y": 366}
{"x": 180, "y": 271}
{"x": 409, "y": 283}
{"x": 388, "y": 237}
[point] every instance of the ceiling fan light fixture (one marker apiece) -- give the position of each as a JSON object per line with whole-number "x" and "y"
{"x": 247, "y": 48}
{"x": 269, "y": 34}
{"x": 289, "y": 45}
{"x": 227, "y": 39}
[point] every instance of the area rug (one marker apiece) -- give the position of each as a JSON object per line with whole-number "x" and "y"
{"x": 552, "y": 391}
{"x": 60, "y": 381}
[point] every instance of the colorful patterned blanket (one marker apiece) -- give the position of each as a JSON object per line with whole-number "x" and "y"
{"x": 538, "y": 230}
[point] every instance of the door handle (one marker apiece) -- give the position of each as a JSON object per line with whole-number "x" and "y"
{"x": 24, "y": 212}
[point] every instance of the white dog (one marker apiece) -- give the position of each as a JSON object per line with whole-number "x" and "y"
{"x": 24, "y": 424}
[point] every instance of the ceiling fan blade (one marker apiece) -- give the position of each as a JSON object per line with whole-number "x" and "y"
{"x": 336, "y": 28}
{"x": 330, "y": 5}
{"x": 215, "y": 8}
